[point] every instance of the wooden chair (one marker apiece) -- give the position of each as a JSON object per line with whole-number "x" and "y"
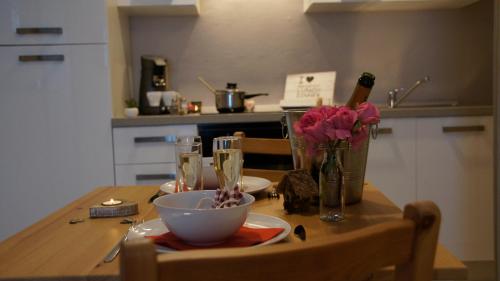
{"x": 266, "y": 147}
{"x": 409, "y": 243}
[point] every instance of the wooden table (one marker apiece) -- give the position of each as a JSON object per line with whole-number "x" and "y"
{"x": 56, "y": 250}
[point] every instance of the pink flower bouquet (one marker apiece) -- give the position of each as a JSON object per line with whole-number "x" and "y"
{"x": 331, "y": 124}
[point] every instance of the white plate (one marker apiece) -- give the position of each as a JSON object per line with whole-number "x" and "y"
{"x": 251, "y": 185}
{"x": 156, "y": 227}
{"x": 255, "y": 184}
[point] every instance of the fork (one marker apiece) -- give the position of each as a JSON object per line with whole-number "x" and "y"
{"x": 273, "y": 194}
{"x": 116, "y": 249}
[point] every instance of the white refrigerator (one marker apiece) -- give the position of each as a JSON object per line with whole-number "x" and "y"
{"x": 55, "y": 107}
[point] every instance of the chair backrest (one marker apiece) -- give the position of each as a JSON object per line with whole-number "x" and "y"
{"x": 267, "y": 147}
{"x": 409, "y": 243}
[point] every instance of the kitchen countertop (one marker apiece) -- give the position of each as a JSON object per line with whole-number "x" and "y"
{"x": 401, "y": 112}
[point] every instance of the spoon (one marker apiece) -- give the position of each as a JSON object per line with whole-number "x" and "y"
{"x": 300, "y": 232}
{"x": 212, "y": 89}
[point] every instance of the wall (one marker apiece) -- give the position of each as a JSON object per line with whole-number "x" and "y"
{"x": 496, "y": 149}
{"x": 257, "y": 43}
{"x": 118, "y": 55}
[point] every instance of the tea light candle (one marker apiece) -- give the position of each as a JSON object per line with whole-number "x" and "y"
{"x": 112, "y": 202}
{"x": 194, "y": 107}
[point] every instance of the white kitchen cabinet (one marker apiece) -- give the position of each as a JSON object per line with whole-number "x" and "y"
{"x": 155, "y": 144}
{"x": 55, "y": 131}
{"x": 56, "y": 103}
{"x": 146, "y": 155}
{"x": 448, "y": 160}
{"x": 319, "y": 6}
{"x": 35, "y": 22}
{"x": 392, "y": 160}
{"x": 455, "y": 170}
{"x": 144, "y": 174}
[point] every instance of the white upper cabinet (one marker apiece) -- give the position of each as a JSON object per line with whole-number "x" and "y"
{"x": 160, "y": 7}
{"x": 34, "y": 22}
{"x": 318, "y": 6}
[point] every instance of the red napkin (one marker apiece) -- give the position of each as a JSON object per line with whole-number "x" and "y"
{"x": 245, "y": 237}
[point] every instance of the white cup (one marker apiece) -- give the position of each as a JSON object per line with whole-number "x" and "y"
{"x": 168, "y": 96}
{"x": 154, "y": 98}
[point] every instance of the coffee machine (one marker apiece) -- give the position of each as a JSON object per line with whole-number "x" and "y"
{"x": 154, "y": 80}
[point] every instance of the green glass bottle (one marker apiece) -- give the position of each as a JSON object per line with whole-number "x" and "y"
{"x": 362, "y": 89}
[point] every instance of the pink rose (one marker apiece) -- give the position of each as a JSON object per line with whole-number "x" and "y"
{"x": 339, "y": 126}
{"x": 345, "y": 118}
{"x": 310, "y": 127}
{"x": 368, "y": 113}
{"x": 327, "y": 111}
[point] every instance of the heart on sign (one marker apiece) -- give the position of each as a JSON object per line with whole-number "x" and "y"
{"x": 309, "y": 78}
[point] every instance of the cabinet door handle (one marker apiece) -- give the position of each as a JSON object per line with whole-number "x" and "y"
{"x": 32, "y": 58}
{"x": 144, "y": 177}
{"x": 38, "y": 30}
{"x": 167, "y": 139}
{"x": 384, "y": 131}
{"x": 460, "y": 129}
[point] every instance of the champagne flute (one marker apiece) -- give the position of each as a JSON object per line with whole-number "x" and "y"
{"x": 228, "y": 160}
{"x": 188, "y": 151}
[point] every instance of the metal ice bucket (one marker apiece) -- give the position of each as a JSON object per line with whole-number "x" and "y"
{"x": 302, "y": 160}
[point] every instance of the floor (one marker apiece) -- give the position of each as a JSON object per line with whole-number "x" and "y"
{"x": 481, "y": 271}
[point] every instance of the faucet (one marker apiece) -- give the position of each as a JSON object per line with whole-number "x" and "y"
{"x": 392, "y": 95}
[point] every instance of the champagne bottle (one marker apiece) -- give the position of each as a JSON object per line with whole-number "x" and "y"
{"x": 362, "y": 89}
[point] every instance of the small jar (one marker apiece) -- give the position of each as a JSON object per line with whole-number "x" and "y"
{"x": 184, "y": 106}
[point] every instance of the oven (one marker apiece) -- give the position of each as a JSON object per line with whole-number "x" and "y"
{"x": 251, "y": 130}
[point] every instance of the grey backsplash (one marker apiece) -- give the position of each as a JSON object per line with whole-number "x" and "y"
{"x": 257, "y": 43}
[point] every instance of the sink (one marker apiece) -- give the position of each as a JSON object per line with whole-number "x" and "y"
{"x": 423, "y": 105}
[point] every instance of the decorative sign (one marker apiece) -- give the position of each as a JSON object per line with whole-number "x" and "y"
{"x": 307, "y": 89}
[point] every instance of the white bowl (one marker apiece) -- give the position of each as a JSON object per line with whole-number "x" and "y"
{"x": 201, "y": 226}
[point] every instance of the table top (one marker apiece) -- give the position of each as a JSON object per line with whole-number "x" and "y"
{"x": 54, "y": 249}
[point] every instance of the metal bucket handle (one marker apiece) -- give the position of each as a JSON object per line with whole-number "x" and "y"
{"x": 284, "y": 128}
{"x": 374, "y": 131}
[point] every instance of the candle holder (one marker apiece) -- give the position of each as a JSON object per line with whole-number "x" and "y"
{"x": 114, "y": 208}
{"x": 194, "y": 107}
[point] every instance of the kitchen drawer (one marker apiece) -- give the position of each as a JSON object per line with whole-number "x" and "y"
{"x": 141, "y": 145}
{"x": 144, "y": 174}
{"x": 392, "y": 161}
{"x": 32, "y": 22}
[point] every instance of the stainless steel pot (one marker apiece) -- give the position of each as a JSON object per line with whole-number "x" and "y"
{"x": 230, "y": 99}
